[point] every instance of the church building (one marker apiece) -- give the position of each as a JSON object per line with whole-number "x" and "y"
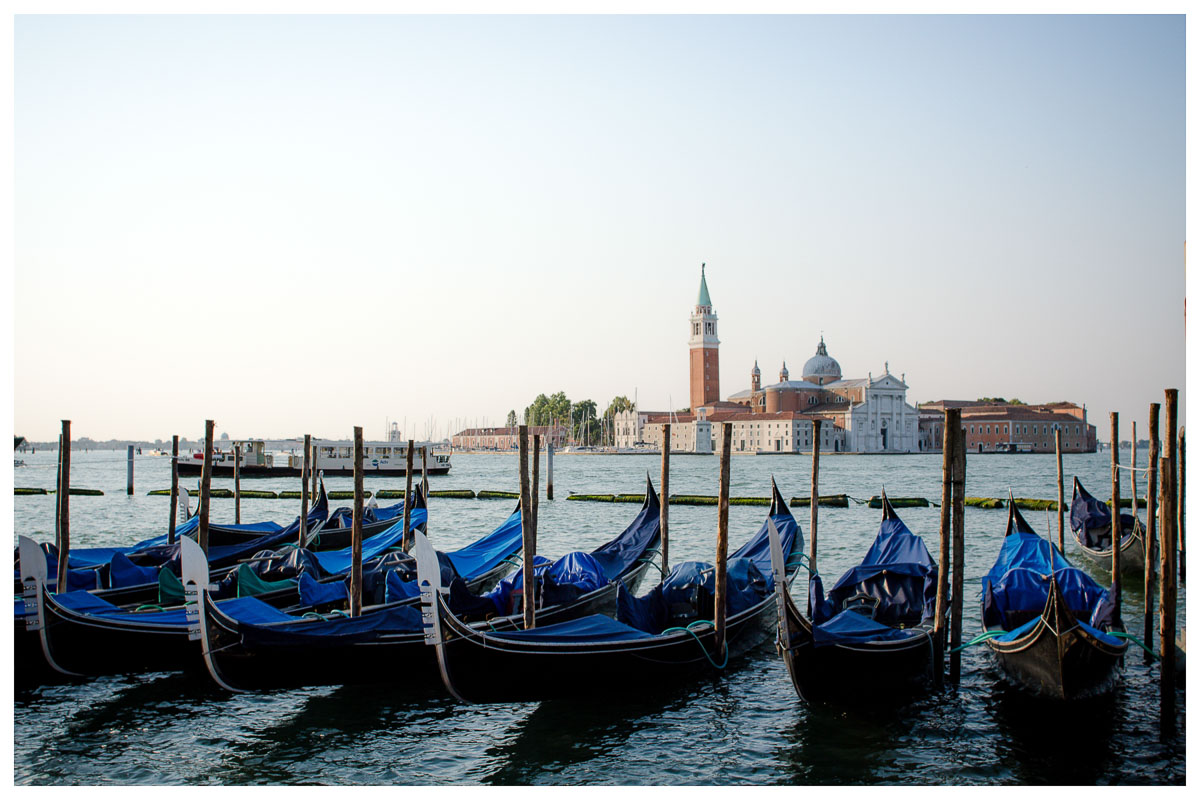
{"x": 863, "y": 415}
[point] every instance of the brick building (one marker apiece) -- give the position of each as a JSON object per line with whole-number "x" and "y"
{"x": 506, "y": 438}
{"x": 992, "y": 427}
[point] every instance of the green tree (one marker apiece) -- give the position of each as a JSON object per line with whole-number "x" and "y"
{"x": 512, "y": 419}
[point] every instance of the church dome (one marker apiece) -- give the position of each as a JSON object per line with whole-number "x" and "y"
{"x": 822, "y": 368}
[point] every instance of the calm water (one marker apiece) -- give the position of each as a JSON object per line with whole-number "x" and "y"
{"x": 745, "y": 726}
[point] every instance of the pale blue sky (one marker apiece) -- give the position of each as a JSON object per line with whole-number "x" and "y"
{"x": 295, "y": 224}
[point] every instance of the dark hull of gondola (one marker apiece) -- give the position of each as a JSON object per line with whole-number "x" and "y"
{"x": 88, "y": 645}
{"x": 853, "y": 674}
{"x": 1057, "y": 658}
{"x": 401, "y": 660}
{"x": 1133, "y": 555}
{"x": 478, "y": 667}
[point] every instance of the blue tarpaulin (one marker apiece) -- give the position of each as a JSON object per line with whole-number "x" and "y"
{"x": 334, "y": 631}
{"x": 687, "y": 592}
{"x": 851, "y": 626}
{"x": 484, "y": 555}
{"x": 895, "y": 586}
{"x": 315, "y": 593}
{"x": 1091, "y": 520}
{"x": 594, "y": 628}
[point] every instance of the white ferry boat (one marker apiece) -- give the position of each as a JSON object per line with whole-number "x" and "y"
{"x": 334, "y": 457}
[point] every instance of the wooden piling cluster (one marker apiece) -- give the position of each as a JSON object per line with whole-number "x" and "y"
{"x": 941, "y": 613}
{"x": 957, "y": 530}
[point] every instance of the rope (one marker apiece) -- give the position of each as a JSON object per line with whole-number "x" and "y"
{"x": 147, "y": 606}
{"x": 1133, "y": 639}
{"x": 321, "y": 617}
{"x": 1133, "y": 469}
{"x": 983, "y": 637}
{"x": 857, "y": 500}
{"x": 703, "y": 649}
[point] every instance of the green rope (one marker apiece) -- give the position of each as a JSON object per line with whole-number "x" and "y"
{"x": 1134, "y": 639}
{"x": 148, "y": 605}
{"x": 688, "y": 629}
{"x": 983, "y": 637}
{"x": 321, "y": 617}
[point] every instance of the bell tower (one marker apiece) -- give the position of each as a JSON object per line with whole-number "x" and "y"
{"x": 705, "y": 369}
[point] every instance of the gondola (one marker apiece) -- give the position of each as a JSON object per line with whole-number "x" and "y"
{"x": 92, "y": 568}
{"x": 385, "y": 644}
{"x": 653, "y": 642}
{"x": 83, "y": 634}
{"x": 1035, "y": 604}
{"x": 1091, "y": 522}
{"x": 871, "y": 638}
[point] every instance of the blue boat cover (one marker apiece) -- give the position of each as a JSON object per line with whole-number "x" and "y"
{"x": 331, "y": 632}
{"x": 123, "y": 572}
{"x": 501, "y": 597}
{"x": 758, "y": 549}
{"x": 484, "y": 555}
{"x": 1091, "y": 520}
{"x": 621, "y": 553}
{"x": 1018, "y": 584}
{"x": 896, "y": 585}
{"x": 592, "y": 629}
{"x": 851, "y": 626}
{"x": 240, "y": 608}
{"x": 687, "y": 593}
{"x": 336, "y": 562}
{"x": 315, "y": 593}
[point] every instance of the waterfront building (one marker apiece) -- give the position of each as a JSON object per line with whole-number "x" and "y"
{"x": 506, "y": 438}
{"x": 1001, "y": 427}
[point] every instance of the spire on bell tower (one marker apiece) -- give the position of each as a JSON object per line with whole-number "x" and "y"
{"x": 703, "y": 343}
{"x": 755, "y": 377}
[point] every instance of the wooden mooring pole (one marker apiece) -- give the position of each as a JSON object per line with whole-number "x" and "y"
{"x": 1115, "y": 511}
{"x": 550, "y": 465}
{"x": 64, "y": 507}
{"x": 407, "y": 538}
{"x": 205, "y": 485}
{"x": 1182, "y": 508}
{"x": 1168, "y": 552}
{"x": 425, "y": 472}
{"x": 1151, "y": 543}
{"x": 720, "y": 595}
{"x": 174, "y": 489}
{"x": 1133, "y": 482}
{"x": 312, "y": 473}
{"x": 957, "y": 526}
{"x": 129, "y": 470}
{"x": 528, "y": 544}
{"x": 356, "y": 534}
{"x": 533, "y": 492}
{"x": 1061, "y": 500}
{"x": 305, "y": 466}
{"x": 813, "y": 499}
{"x": 237, "y": 484}
{"x": 951, "y": 424}
{"x": 665, "y": 499}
